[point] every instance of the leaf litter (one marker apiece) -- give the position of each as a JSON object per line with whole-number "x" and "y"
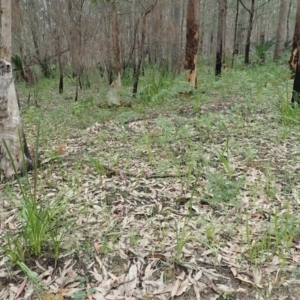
{"x": 157, "y": 214}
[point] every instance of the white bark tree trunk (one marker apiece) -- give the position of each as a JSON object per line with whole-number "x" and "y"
{"x": 10, "y": 121}
{"x": 281, "y": 29}
{"x": 113, "y": 94}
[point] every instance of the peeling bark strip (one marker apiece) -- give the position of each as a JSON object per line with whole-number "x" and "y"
{"x": 293, "y": 62}
{"x": 192, "y": 42}
{"x": 296, "y": 85}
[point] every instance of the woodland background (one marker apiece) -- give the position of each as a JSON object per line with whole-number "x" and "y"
{"x": 76, "y": 37}
{"x": 177, "y": 193}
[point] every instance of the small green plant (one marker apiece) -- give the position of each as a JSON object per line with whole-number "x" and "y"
{"x": 289, "y": 112}
{"x": 40, "y": 221}
{"x": 224, "y": 190}
{"x": 224, "y": 158}
{"x": 134, "y": 236}
{"x": 160, "y": 86}
{"x": 98, "y": 166}
{"x": 210, "y": 231}
{"x": 275, "y": 239}
{"x": 182, "y": 235}
{"x": 147, "y": 143}
{"x": 261, "y": 49}
{"x": 30, "y": 274}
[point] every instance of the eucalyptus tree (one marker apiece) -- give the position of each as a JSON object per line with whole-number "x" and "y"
{"x": 113, "y": 92}
{"x": 252, "y": 10}
{"x": 295, "y": 56}
{"x": 235, "y": 44}
{"x": 220, "y": 37}
{"x": 143, "y": 32}
{"x": 10, "y": 120}
{"x": 192, "y": 42}
{"x": 281, "y": 30}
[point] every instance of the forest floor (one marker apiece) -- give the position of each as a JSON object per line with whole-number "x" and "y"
{"x": 182, "y": 196}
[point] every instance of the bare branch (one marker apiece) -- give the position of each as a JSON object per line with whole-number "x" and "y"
{"x": 262, "y": 5}
{"x": 248, "y": 10}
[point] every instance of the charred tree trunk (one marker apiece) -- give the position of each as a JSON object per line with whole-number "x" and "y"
{"x": 60, "y": 65}
{"x": 294, "y": 60}
{"x": 235, "y": 46}
{"x": 249, "y": 31}
{"x": 296, "y": 85}
{"x": 224, "y": 65}
{"x": 192, "y": 42}
{"x": 220, "y": 36}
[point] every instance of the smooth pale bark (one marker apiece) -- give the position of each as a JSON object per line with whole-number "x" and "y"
{"x": 176, "y": 14}
{"x": 281, "y": 29}
{"x": 113, "y": 95}
{"x": 288, "y": 22}
{"x": 138, "y": 65}
{"x": 192, "y": 42}
{"x": 10, "y": 121}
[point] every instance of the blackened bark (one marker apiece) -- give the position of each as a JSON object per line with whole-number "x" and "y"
{"x": 296, "y": 85}
{"x": 294, "y": 60}
{"x": 235, "y": 46}
{"x": 220, "y": 36}
{"x": 249, "y": 31}
{"x": 61, "y": 84}
{"x": 218, "y": 69}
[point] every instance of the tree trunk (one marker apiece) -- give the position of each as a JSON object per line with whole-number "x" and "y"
{"x": 192, "y": 42}
{"x": 294, "y": 60}
{"x": 176, "y": 11}
{"x": 60, "y": 65}
{"x": 220, "y": 36}
{"x": 113, "y": 97}
{"x": 281, "y": 29}
{"x": 235, "y": 46}
{"x": 141, "y": 50}
{"x": 249, "y": 31}
{"x": 75, "y": 11}
{"x": 10, "y": 121}
{"x": 224, "y": 65}
{"x": 288, "y": 23}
